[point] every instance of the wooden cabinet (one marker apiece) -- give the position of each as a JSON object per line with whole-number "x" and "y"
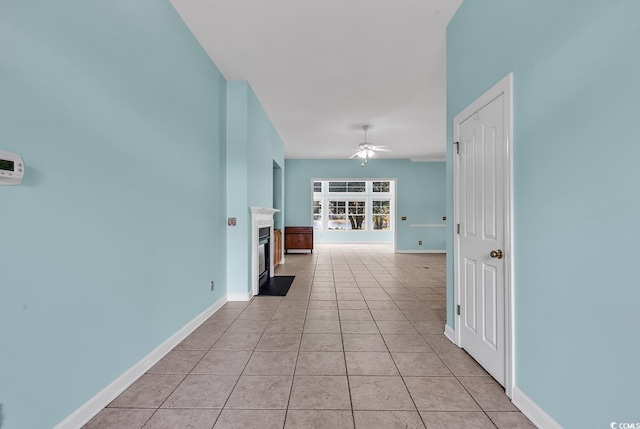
{"x": 277, "y": 246}
{"x": 298, "y": 237}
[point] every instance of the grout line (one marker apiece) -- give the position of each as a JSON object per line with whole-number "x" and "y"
{"x": 344, "y": 356}
{"x": 366, "y": 259}
{"x": 199, "y": 360}
{"x": 400, "y": 373}
{"x": 248, "y": 360}
{"x": 295, "y": 366}
{"x": 474, "y": 399}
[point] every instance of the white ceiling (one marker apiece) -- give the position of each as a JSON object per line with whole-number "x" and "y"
{"x": 323, "y": 69}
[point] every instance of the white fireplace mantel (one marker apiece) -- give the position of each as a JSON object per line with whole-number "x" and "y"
{"x": 260, "y": 217}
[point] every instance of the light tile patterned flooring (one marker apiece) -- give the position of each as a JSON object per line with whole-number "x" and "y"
{"x": 357, "y": 342}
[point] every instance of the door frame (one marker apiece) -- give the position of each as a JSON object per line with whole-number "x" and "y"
{"x": 503, "y": 87}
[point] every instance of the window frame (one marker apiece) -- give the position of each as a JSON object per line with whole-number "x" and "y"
{"x": 332, "y": 200}
{"x": 321, "y": 214}
{"x": 346, "y": 187}
{"x": 383, "y": 199}
{"x": 373, "y": 191}
{"x": 325, "y": 197}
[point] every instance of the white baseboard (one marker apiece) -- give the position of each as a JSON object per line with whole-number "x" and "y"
{"x": 421, "y": 251}
{"x": 103, "y": 398}
{"x": 530, "y": 409}
{"x": 239, "y": 296}
{"x": 450, "y": 333}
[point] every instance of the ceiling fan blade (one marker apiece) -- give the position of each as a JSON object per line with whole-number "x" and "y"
{"x": 366, "y": 149}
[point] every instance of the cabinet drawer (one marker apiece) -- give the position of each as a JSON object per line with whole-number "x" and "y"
{"x": 298, "y": 242}
{"x": 298, "y": 230}
{"x": 298, "y": 237}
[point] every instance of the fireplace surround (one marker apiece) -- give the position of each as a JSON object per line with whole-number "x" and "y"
{"x": 261, "y": 217}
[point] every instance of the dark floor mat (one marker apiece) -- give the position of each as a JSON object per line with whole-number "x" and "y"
{"x": 277, "y": 286}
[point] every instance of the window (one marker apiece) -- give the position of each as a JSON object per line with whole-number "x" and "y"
{"x": 347, "y": 186}
{"x": 356, "y": 186}
{"x": 317, "y": 214}
{"x": 381, "y": 186}
{"x": 337, "y": 186}
{"x": 381, "y": 215}
{"x": 345, "y": 215}
{"x": 357, "y": 215}
{"x": 337, "y": 215}
{"x": 350, "y": 205}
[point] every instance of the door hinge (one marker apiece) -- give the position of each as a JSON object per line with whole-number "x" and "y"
{"x": 457, "y": 145}
{"x": 458, "y": 228}
{"x": 458, "y": 310}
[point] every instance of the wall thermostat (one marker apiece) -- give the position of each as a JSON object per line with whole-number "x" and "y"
{"x": 11, "y": 168}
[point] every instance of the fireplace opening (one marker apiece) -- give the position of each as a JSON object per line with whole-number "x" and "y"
{"x": 264, "y": 258}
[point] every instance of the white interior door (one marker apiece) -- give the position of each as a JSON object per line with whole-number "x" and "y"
{"x": 481, "y": 237}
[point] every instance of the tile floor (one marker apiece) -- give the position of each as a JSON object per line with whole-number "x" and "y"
{"x": 357, "y": 342}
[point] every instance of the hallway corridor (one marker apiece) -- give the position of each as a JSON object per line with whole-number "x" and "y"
{"x": 357, "y": 342}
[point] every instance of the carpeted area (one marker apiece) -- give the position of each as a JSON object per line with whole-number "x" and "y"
{"x": 277, "y": 286}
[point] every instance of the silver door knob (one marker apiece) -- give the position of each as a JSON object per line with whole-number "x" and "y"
{"x": 496, "y": 254}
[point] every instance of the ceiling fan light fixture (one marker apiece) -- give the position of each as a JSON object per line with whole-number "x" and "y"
{"x": 366, "y": 153}
{"x": 366, "y": 150}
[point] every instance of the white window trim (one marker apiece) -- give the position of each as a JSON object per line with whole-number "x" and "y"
{"x": 391, "y": 210}
{"x": 328, "y": 192}
{"x": 346, "y": 199}
{"x": 321, "y": 200}
{"x": 368, "y": 197}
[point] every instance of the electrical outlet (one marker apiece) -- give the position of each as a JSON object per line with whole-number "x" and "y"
{"x": 420, "y": 243}
{"x": 212, "y": 285}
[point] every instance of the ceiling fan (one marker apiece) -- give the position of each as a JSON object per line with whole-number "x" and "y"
{"x": 366, "y": 150}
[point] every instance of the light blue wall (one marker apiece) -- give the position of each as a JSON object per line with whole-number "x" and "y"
{"x": 576, "y": 193}
{"x": 278, "y": 195}
{"x": 238, "y": 262}
{"x": 265, "y": 147}
{"x": 253, "y": 146}
{"x": 109, "y": 245}
{"x": 420, "y": 197}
